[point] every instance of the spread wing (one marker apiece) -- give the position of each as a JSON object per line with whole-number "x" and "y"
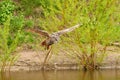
{"x": 41, "y": 32}
{"x": 67, "y": 30}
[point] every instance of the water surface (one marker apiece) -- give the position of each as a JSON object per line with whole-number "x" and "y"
{"x": 62, "y": 75}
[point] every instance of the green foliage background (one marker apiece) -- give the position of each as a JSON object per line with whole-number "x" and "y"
{"x": 100, "y": 19}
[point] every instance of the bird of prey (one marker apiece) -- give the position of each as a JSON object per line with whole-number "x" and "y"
{"x": 54, "y": 37}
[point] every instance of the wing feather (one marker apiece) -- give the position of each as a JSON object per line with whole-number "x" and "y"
{"x": 41, "y": 32}
{"x": 67, "y": 30}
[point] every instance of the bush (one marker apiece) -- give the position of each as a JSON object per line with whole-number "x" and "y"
{"x": 6, "y": 8}
{"x": 7, "y": 57}
{"x": 100, "y": 29}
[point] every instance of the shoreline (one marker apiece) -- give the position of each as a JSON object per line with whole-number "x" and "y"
{"x": 56, "y": 67}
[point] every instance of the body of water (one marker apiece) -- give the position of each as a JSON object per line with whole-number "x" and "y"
{"x": 62, "y": 75}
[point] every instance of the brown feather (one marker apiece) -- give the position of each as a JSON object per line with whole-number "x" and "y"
{"x": 45, "y": 44}
{"x": 41, "y": 32}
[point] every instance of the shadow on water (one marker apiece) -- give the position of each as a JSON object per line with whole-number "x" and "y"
{"x": 91, "y": 75}
{"x": 62, "y": 75}
{"x": 5, "y": 76}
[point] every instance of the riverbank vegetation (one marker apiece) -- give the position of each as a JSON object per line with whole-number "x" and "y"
{"x": 100, "y": 28}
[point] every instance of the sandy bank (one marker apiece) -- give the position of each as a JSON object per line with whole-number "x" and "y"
{"x": 33, "y": 60}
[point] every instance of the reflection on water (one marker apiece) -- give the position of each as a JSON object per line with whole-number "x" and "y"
{"x": 62, "y": 75}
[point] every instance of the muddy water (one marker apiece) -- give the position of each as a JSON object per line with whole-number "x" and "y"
{"x": 62, "y": 75}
